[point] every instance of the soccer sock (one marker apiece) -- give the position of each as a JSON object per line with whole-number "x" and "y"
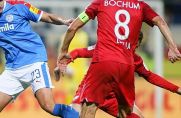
{"x": 65, "y": 111}
{"x": 133, "y": 115}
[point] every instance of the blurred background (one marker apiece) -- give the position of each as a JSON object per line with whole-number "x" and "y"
{"x": 163, "y": 104}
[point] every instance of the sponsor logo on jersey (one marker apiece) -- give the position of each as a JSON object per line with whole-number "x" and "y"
{"x": 6, "y": 27}
{"x": 123, "y": 4}
{"x": 9, "y": 18}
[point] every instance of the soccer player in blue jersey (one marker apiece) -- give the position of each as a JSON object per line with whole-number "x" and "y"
{"x": 26, "y": 58}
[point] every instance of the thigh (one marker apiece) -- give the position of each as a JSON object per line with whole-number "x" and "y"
{"x": 10, "y": 84}
{"x": 110, "y": 105}
{"x": 4, "y": 100}
{"x": 10, "y": 88}
{"x": 125, "y": 93}
{"x": 98, "y": 83}
{"x": 122, "y": 98}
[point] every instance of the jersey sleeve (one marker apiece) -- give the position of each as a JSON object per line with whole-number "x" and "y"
{"x": 161, "y": 82}
{"x": 148, "y": 14}
{"x": 82, "y": 53}
{"x": 92, "y": 9}
{"x": 151, "y": 77}
{"x": 29, "y": 12}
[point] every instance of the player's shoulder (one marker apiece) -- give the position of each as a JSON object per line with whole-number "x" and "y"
{"x": 21, "y": 4}
{"x": 137, "y": 57}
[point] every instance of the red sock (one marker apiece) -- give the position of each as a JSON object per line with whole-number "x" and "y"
{"x": 133, "y": 115}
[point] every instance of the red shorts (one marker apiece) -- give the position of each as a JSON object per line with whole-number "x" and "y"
{"x": 76, "y": 99}
{"x": 110, "y": 104}
{"x": 105, "y": 77}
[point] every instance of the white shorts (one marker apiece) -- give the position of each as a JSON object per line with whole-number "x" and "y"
{"x": 14, "y": 81}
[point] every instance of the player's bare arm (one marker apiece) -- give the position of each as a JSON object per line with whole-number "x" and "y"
{"x": 173, "y": 54}
{"x": 54, "y": 19}
{"x": 75, "y": 25}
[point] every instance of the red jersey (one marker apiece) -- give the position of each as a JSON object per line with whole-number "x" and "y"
{"x": 119, "y": 24}
{"x": 110, "y": 104}
{"x": 139, "y": 68}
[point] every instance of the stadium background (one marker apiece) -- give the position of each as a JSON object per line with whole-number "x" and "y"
{"x": 25, "y": 106}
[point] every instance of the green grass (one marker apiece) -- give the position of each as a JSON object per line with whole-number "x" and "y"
{"x": 172, "y": 70}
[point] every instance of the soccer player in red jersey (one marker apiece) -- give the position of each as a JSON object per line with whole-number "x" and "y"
{"x": 110, "y": 105}
{"x": 119, "y": 24}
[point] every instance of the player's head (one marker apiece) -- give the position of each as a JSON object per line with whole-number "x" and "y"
{"x": 1, "y": 5}
{"x": 140, "y": 39}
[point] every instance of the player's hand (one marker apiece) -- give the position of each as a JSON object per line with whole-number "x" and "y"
{"x": 57, "y": 73}
{"x": 174, "y": 55}
{"x": 68, "y": 22}
{"x": 179, "y": 91}
{"x": 62, "y": 63}
{"x": 64, "y": 58}
{"x": 61, "y": 58}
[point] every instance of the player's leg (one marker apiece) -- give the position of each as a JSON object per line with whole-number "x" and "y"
{"x": 77, "y": 107}
{"x": 4, "y": 100}
{"x": 4, "y": 97}
{"x": 125, "y": 91}
{"x": 99, "y": 83}
{"x": 88, "y": 110}
{"x": 133, "y": 115}
{"x": 42, "y": 88}
{"x": 76, "y": 102}
{"x": 101, "y": 114}
{"x": 137, "y": 111}
{"x": 45, "y": 99}
{"x": 9, "y": 87}
{"x": 124, "y": 110}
